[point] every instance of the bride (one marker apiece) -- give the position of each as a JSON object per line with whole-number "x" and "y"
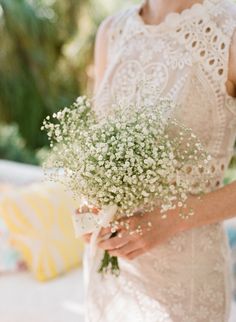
{"x": 178, "y": 271}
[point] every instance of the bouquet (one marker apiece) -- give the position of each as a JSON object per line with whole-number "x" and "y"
{"x": 132, "y": 160}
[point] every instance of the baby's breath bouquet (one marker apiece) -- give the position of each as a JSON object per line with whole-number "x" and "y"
{"x": 132, "y": 160}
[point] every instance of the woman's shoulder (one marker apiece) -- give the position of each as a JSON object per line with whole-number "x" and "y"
{"x": 107, "y": 38}
{"x": 224, "y": 9}
{"x": 112, "y": 23}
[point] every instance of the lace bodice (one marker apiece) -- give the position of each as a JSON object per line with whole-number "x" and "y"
{"x": 187, "y": 57}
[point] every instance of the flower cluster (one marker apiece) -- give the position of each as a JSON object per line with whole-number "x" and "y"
{"x": 133, "y": 159}
{"x": 64, "y": 131}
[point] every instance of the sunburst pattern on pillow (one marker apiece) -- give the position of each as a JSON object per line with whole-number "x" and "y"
{"x": 10, "y": 258}
{"x": 39, "y": 219}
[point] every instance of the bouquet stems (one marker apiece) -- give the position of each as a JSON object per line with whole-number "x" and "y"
{"x": 109, "y": 263}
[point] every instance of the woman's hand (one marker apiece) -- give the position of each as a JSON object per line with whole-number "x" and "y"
{"x": 138, "y": 234}
{"x": 211, "y": 208}
{"x": 87, "y": 238}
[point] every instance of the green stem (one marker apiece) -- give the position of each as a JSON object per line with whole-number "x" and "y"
{"x": 105, "y": 262}
{"x": 109, "y": 263}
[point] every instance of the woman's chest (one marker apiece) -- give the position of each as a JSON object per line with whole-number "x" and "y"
{"x": 146, "y": 67}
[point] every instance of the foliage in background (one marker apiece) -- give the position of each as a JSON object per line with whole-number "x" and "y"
{"x": 12, "y": 145}
{"x": 36, "y": 75}
{"x": 45, "y": 58}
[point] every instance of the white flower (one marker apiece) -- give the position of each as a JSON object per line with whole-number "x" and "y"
{"x": 127, "y": 159}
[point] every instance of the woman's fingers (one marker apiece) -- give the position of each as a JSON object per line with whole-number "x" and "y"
{"x": 108, "y": 231}
{"x": 135, "y": 254}
{"x": 87, "y": 238}
{"x": 122, "y": 225}
{"x": 125, "y": 250}
{"x": 105, "y": 231}
{"x": 78, "y": 211}
{"x": 114, "y": 243}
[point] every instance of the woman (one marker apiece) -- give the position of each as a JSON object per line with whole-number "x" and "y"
{"x": 177, "y": 272}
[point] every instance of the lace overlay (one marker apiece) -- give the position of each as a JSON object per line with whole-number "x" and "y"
{"x": 186, "y": 57}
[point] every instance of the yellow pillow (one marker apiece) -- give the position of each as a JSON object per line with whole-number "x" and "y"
{"x": 39, "y": 219}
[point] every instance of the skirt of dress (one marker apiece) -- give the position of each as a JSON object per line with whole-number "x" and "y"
{"x": 185, "y": 280}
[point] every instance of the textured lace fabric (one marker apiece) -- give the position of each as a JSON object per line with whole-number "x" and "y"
{"x": 186, "y": 57}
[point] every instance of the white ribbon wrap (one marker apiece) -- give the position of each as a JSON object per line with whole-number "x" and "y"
{"x": 89, "y": 223}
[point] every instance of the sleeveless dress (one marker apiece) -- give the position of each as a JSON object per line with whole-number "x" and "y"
{"x": 187, "y": 278}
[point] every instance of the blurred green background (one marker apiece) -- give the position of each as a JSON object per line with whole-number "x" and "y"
{"x": 46, "y": 60}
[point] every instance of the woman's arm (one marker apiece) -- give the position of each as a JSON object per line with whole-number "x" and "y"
{"x": 212, "y": 207}
{"x": 231, "y": 84}
{"x": 220, "y": 204}
{"x": 101, "y": 49}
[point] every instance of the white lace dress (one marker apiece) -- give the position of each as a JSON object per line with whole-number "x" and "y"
{"x": 187, "y": 278}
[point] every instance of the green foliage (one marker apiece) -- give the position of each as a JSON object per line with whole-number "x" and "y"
{"x": 45, "y": 59}
{"x": 230, "y": 175}
{"x": 12, "y": 145}
{"x": 46, "y": 55}
{"x": 37, "y": 76}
